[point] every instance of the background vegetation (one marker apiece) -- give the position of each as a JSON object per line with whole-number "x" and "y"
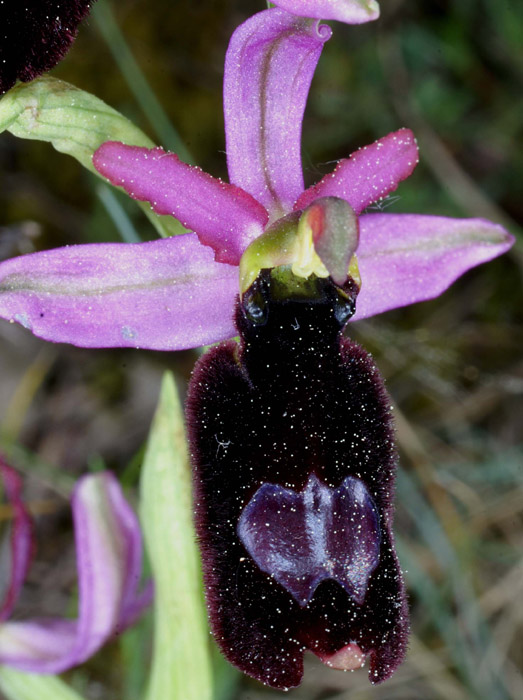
{"x": 453, "y": 72}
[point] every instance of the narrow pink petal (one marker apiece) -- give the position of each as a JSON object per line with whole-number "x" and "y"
{"x": 164, "y": 295}
{"x": 108, "y": 545}
{"x": 369, "y": 174}
{"x": 406, "y": 258}
{"x": 348, "y": 11}
{"x": 268, "y": 70}
{"x": 224, "y": 216}
{"x": 21, "y": 541}
{"x": 109, "y": 560}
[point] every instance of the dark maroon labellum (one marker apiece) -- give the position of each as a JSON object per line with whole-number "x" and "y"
{"x": 294, "y": 461}
{"x": 35, "y": 35}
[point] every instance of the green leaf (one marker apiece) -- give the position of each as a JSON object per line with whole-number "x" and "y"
{"x": 29, "y": 686}
{"x": 74, "y": 122}
{"x": 181, "y": 666}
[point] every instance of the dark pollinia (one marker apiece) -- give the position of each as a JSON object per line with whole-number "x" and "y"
{"x": 294, "y": 461}
{"x": 35, "y": 35}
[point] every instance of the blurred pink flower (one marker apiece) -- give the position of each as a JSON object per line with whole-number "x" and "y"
{"x": 109, "y": 562}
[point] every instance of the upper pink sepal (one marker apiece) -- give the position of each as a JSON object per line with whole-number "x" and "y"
{"x": 406, "y": 258}
{"x": 224, "y": 216}
{"x": 162, "y": 295}
{"x": 348, "y": 11}
{"x": 109, "y": 562}
{"x": 371, "y": 172}
{"x": 268, "y": 70}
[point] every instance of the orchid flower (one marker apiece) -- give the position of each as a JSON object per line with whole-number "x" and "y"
{"x": 180, "y": 292}
{"x": 290, "y": 429}
{"x": 109, "y": 553}
{"x": 36, "y": 35}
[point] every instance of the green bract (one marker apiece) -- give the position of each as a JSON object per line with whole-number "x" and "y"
{"x": 181, "y": 666}
{"x": 74, "y": 122}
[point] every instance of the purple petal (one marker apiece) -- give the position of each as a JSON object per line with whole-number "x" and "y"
{"x": 21, "y": 543}
{"x": 224, "y": 216}
{"x": 36, "y": 34}
{"x": 108, "y": 544}
{"x": 406, "y": 258}
{"x": 348, "y": 11}
{"x": 304, "y": 538}
{"x": 369, "y": 174}
{"x": 164, "y": 295}
{"x": 268, "y": 70}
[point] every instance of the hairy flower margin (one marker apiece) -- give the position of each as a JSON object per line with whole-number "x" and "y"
{"x": 182, "y": 292}
{"x": 109, "y": 563}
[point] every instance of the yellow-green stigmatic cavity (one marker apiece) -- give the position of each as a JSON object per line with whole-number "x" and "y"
{"x": 321, "y": 240}
{"x": 328, "y": 235}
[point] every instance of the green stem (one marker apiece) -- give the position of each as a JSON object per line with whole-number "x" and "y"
{"x": 117, "y": 215}
{"x": 137, "y": 82}
{"x": 29, "y": 686}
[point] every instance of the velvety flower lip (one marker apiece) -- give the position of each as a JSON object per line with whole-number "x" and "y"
{"x": 109, "y": 562}
{"x": 293, "y": 454}
{"x": 175, "y": 293}
{"x": 36, "y": 35}
{"x": 348, "y": 11}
